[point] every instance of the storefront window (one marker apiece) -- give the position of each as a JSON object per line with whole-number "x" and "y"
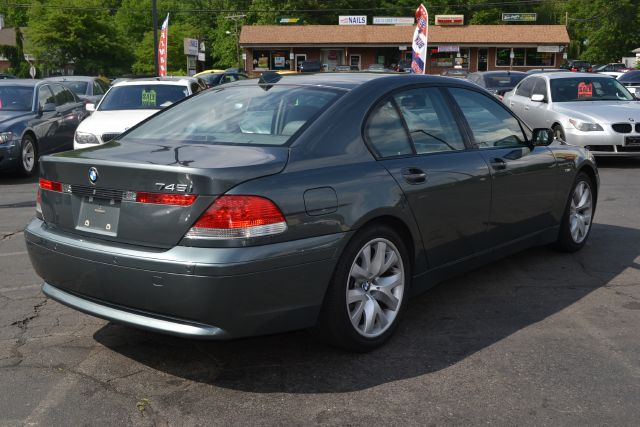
{"x": 261, "y": 59}
{"x": 280, "y": 60}
{"x": 529, "y": 57}
{"x": 449, "y": 57}
{"x": 540, "y": 59}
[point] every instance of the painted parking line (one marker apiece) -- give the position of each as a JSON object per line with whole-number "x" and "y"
{"x": 14, "y": 253}
{"x": 19, "y": 288}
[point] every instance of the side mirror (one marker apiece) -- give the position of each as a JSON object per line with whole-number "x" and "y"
{"x": 542, "y": 137}
{"x": 538, "y": 97}
{"x": 48, "y": 107}
{"x": 90, "y": 107}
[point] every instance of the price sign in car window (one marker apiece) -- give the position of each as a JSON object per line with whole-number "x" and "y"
{"x": 148, "y": 98}
{"x": 585, "y": 90}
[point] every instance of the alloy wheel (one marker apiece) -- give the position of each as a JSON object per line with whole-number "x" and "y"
{"x": 28, "y": 155}
{"x": 580, "y": 212}
{"x": 375, "y": 288}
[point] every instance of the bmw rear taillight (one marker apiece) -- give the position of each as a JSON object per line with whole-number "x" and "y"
{"x": 166, "y": 198}
{"x": 45, "y": 184}
{"x": 238, "y": 217}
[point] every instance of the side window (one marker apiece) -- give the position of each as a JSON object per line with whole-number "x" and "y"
{"x": 525, "y": 88}
{"x": 540, "y": 88}
{"x": 429, "y": 120}
{"x": 242, "y": 77}
{"x": 228, "y": 78}
{"x": 491, "y": 124}
{"x": 385, "y": 132}
{"x": 195, "y": 88}
{"x": 45, "y": 96}
{"x": 97, "y": 89}
{"x": 59, "y": 95}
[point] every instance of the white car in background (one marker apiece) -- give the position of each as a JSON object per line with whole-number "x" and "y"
{"x": 128, "y": 103}
{"x": 586, "y": 109}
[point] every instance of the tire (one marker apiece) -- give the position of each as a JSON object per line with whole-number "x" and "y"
{"x": 376, "y": 304}
{"x": 578, "y": 215}
{"x": 558, "y": 132}
{"x": 28, "y": 161}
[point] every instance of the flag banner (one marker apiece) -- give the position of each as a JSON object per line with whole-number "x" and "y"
{"x": 162, "y": 48}
{"x": 419, "y": 45}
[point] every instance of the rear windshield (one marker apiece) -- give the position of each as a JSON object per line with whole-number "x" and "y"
{"x": 80, "y": 88}
{"x": 247, "y": 115}
{"x": 588, "y": 89}
{"x": 503, "y": 81}
{"x": 142, "y": 97}
{"x": 630, "y": 76}
{"x": 211, "y": 78}
{"x": 16, "y": 98}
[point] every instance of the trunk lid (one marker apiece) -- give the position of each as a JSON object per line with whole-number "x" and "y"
{"x": 105, "y": 210}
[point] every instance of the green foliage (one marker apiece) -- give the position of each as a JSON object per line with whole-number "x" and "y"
{"x": 85, "y": 36}
{"x": 176, "y": 60}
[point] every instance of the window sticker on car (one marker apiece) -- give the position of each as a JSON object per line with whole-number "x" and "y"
{"x": 585, "y": 90}
{"x": 148, "y": 98}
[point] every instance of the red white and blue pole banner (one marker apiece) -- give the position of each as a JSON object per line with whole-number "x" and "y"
{"x": 420, "y": 36}
{"x": 162, "y": 47}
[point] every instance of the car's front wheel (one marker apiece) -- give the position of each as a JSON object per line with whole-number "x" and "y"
{"x": 368, "y": 292}
{"x": 28, "y": 156}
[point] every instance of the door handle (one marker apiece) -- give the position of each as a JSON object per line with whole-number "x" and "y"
{"x": 498, "y": 164}
{"x": 414, "y": 175}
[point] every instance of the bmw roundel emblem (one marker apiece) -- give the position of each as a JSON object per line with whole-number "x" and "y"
{"x": 93, "y": 175}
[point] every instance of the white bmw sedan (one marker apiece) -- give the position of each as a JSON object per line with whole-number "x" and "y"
{"x": 585, "y": 109}
{"x": 128, "y": 103}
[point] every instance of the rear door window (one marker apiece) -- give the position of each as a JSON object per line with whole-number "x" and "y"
{"x": 385, "y": 132}
{"x": 97, "y": 89}
{"x": 526, "y": 87}
{"x": 430, "y": 123}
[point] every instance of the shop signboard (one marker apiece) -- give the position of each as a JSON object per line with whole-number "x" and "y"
{"x": 393, "y": 20}
{"x": 520, "y": 17}
{"x": 191, "y": 47}
{"x": 448, "y": 48}
{"x": 449, "y": 20}
{"x": 352, "y": 20}
{"x": 551, "y": 49}
{"x": 290, "y": 21}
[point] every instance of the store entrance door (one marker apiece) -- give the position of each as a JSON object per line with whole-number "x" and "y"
{"x": 299, "y": 58}
{"x": 354, "y": 61}
{"x": 482, "y": 59}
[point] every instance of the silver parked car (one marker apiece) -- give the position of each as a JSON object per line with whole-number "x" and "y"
{"x": 588, "y": 110}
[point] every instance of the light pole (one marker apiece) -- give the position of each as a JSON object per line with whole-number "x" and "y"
{"x": 236, "y": 19}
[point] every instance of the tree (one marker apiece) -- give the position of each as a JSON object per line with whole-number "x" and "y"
{"x": 176, "y": 60}
{"x": 81, "y": 32}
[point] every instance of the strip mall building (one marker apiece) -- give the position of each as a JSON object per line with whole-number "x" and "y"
{"x": 473, "y": 47}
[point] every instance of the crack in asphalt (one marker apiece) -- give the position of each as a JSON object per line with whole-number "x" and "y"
{"x": 23, "y": 324}
{"x": 10, "y": 235}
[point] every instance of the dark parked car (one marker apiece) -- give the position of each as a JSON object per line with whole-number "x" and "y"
{"x": 631, "y": 79}
{"x": 36, "y": 117}
{"x": 215, "y": 78}
{"x": 310, "y": 67}
{"x": 497, "y": 82}
{"x": 321, "y": 201}
{"x": 7, "y": 76}
{"x": 577, "y": 66}
{"x": 458, "y": 73}
{"x": 88, "y": 89}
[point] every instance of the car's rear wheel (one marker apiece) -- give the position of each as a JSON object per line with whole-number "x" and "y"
{"x": 28, "y": 156}
{"x": 368, "y": 292}
{"x": 578, "y": 216}
{"x": 558, "y": 132}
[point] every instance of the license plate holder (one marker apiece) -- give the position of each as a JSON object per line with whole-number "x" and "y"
{"x": 99, "y": 216}
{"x": 632, "y": 141}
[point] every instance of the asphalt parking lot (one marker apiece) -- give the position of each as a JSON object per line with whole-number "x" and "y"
{"x": 538, "y": 338}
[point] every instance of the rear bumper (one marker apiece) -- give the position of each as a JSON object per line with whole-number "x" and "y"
{"x": 214, "y": 293}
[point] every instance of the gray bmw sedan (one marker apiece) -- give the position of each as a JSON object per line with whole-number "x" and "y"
{"x": 314, "y": 201}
